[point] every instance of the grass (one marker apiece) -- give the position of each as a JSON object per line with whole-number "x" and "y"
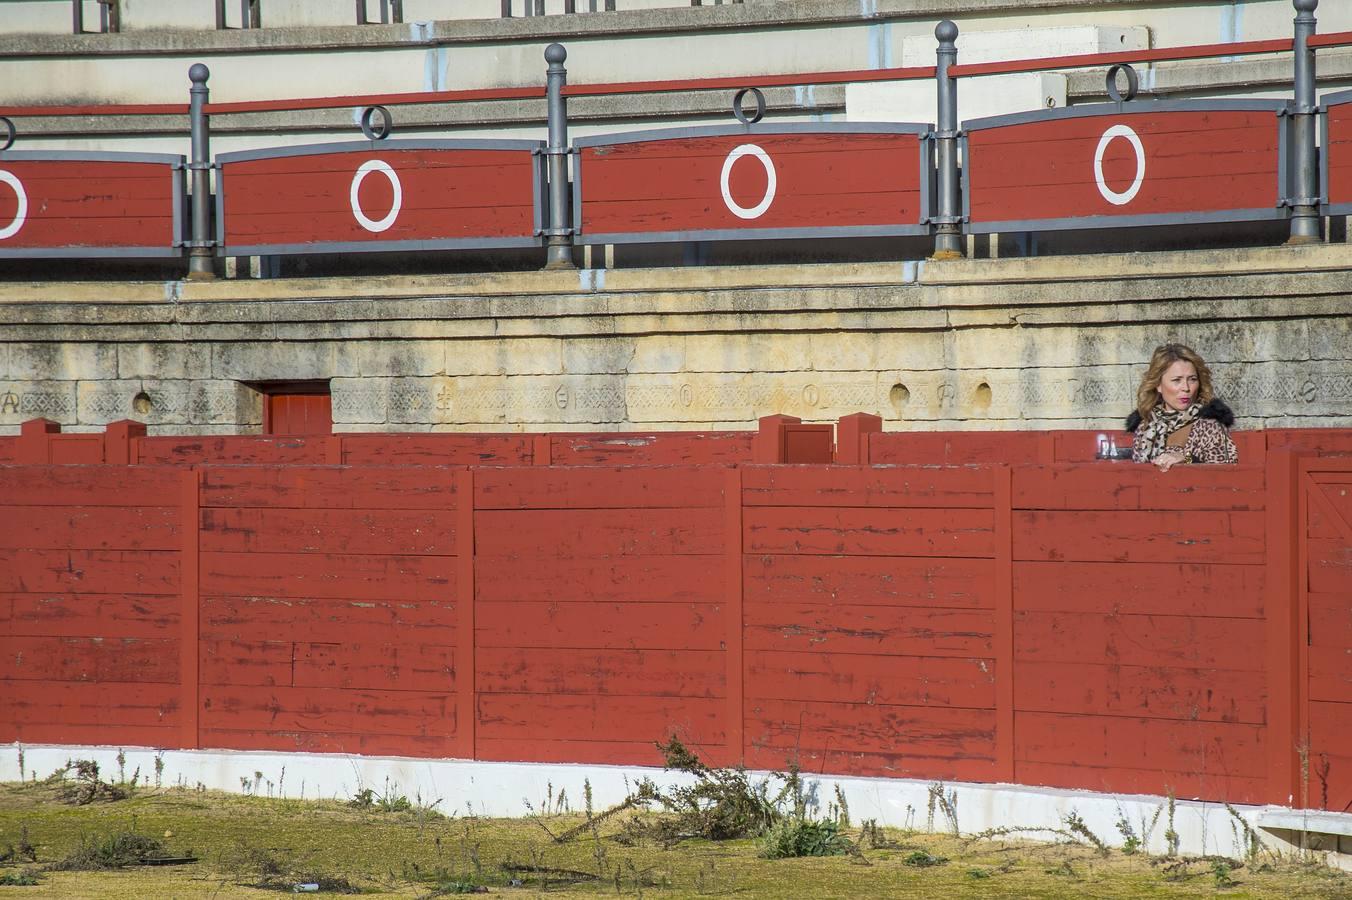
{"x": 252, "y": 846}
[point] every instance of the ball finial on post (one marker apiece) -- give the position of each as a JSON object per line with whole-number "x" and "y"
{"x": 198, "y": 73}
{"x": 946, "y": 31}
{"x": 556, "y": 54}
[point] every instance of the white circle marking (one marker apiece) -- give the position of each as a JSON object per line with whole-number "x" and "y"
{"x": 753, "y": 212}
{"x": 1119, "y": 198}
{"x": 21, "y": 214}
{"x": 365, "y": 221}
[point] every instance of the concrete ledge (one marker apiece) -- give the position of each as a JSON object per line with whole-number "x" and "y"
{"x": 464, "y": 31}
{"x": 1317, "y": 821}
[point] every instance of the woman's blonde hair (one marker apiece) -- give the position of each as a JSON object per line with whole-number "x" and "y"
{"x": 1165, "y": 356}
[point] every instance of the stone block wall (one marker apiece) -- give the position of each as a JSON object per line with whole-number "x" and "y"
{"x": 972, "y": 344}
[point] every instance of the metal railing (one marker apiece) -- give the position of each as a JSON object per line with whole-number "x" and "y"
{"x": 948, "y": 222}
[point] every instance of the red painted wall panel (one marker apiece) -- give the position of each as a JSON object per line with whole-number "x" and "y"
{"x": 1189, "y": 162}
{"x": 443, "y": 195}
{"x": 87, "y": 204}
{"x": 828, "y": 180}
{"x": 867, "y": 634}
{"x": 1337, "y": 154}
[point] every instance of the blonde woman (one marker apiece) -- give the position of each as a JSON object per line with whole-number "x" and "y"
{"x": 1178, "y": 418}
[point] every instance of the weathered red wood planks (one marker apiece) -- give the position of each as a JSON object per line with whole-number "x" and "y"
{"x": 358, "y": 195}
{"x": 1073, "y": 169}
{"x": 840, "y": 628}
{"x": 598, "y": 488}
{"x": 421, "y": 532}
{"x": 48, "y": 204}
{"x": 658, "y": 448}
{"x": 869, "y": 532}
{"x": 651, "y": 578}
{"x": 1194, "y": 759}
{"x": 435, "y": 449}
{"x": 262, "y": 618}
{"x": 164, "y": 450}
{"x": 680, "y": 184}
{"x": 89, "y": 528}
{"x": 869, "y": 580}
{"x": 864, "y": 739}
{"x": 882, "y": 621}
{"x": 867, "y": 486}
{"x": 95, "y": 659}
{"x": 883, "y": 678}
{"x": 1158, "y": 535}
{"x": 1156, "y": 692}
{"x": 69, "y": 614}
{"x": 529, "y": 534}
{"x": 306, "y": 487}
{"x": 1216, "y": 589}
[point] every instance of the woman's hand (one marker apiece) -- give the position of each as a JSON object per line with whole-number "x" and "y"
{"x": 1168, "y": 459}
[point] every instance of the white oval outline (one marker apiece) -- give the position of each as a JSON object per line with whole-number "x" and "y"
{"x": 376, "y": 225}
{"x": 21, "y": 214}
{"x": 1124, "y": 197}
{"x": 754, "y": 212}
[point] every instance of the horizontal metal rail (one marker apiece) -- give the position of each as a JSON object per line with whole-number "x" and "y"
{"x": 914, "y": 73}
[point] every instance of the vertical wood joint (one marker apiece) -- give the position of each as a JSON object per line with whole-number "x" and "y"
{"x": 190, "y": 608}
{"x": 541, "y": 454}
{"x": 466, "y": 717}
{"x": 1003, "y": 508}
{"x": 733, "y": 597}
{"x": 1282, "y": 612}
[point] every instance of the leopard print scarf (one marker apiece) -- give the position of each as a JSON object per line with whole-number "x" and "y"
{"x": 1153, "y": 434}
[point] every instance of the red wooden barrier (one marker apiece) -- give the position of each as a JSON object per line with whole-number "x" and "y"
{"x": 1324, "y": 490}
{"x": 89, "y": 605}
{"x": 753, "y": 182}
{"x": 401, "y": 195}
{"x": 1108, "y": 166}
{"x": 1098, "y": 626}
{"x": 48, "y": 209}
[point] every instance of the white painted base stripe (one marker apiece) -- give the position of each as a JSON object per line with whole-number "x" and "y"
{"x": 463, "y": 787}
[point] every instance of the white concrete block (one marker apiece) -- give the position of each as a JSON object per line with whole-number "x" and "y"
{"x": 988, "y": 95}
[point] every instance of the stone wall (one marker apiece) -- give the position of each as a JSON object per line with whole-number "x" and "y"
{"x": 1005, "y": 344}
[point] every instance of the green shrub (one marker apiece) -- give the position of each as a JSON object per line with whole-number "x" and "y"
{"x": 794, "y": 837}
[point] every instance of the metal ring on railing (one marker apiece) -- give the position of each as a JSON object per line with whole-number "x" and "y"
{"x": 740, "y": 112}
{"x": 1133, "y": 83}
{"x": 9, "y": 134}
{"x": 386, "y": 123}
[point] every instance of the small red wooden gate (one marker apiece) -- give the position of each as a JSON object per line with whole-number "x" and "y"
{"x": 1324, "y": 491}
{"x": 298, "y": 413}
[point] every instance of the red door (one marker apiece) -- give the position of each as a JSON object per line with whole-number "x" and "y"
{"x": 298, "y": 414}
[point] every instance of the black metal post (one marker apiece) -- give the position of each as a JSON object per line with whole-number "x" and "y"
{"x": 559, "y": 236}
{"x": 1305, "y": 205}
{"x": 948, "y": 230}
{"x": 201, "y": 255}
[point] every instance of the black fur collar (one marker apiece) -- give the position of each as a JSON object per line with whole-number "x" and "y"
{"x": 1216, "y": 409}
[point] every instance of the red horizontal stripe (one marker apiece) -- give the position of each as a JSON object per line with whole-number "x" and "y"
{"x": 1089, "y": 60}
{"x": 1332, "y": 39}
{"x": 248, "y": 106}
